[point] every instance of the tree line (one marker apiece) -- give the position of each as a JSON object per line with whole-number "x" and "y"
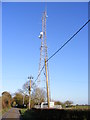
{"x": 21, "y": 97}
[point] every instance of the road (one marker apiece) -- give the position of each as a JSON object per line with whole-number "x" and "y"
{"x": 12, "y": 114}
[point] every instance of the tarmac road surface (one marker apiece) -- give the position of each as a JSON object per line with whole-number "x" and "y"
{"x": 12, "y": 114}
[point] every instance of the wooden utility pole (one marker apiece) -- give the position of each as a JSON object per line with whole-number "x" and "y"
{"x": 23, "y": 99}
{"x": 30, "y": 94}
{"x": 47, "y": 84}
{"x": 30, "y": 89}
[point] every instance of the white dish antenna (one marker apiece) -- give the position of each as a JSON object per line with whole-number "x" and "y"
{"x": 41, "y": 35}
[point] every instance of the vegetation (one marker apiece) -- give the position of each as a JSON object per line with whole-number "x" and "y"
{"x": 22, "y": 111}
{"x": 58, "y": 103}
{"x": 38, "y": 95}
{"x": 55, "y": 114}
{"x": 80, "y": 107}
{"x": 5, "y": 102}
{"x": 6, "y": 99}
{"x": 5, "y": 110}
{"x": 21, "y": 97}
{"x": 68, "y": 103}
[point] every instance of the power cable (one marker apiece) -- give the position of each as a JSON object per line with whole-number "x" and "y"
{"x": 62, "y": 47}
{"x": 68, "y": 41}
{"x": 39, "y": 74}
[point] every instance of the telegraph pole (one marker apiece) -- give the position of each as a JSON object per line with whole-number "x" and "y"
{"x": 30, "y": 90}
{"x": 23, "y": 100}
{"x": 47, "y": 84}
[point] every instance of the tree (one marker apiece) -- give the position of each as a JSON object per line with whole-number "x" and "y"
{"x": 18, "y": 99}
{"x": 68, "y": 103}
{"x": 6, "y": 99}
{"x": 58, "y": 103}
{"x": 38, "y": 95}
{"x": 26, "y": 86}
{"x": 25, "y": 91}
{"x": 22, "y": 96}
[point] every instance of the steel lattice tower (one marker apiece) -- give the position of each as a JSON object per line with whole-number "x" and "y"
{"x": 43, "y": 51}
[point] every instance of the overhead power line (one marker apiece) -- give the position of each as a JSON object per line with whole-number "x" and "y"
{"x": 68, "y": 40}
{"x": 62, "y": 47}
{"x": 39, "y": 74}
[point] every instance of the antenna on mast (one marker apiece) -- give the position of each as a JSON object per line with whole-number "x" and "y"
{"x": 43, "y": 53}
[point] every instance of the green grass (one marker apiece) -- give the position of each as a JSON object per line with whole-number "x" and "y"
{"x": 80, "y": 107}
{"x": 23, "y": 111}
{"x": 5, "y": 110}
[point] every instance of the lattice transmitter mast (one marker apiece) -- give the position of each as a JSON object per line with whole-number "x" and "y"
{"x": 43, "y": 55}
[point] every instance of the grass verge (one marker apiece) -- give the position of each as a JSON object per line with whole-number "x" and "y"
{"x": 5, "y": 110}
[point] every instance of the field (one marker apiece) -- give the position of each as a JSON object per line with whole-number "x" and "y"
{"x": 55, "y": 114}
